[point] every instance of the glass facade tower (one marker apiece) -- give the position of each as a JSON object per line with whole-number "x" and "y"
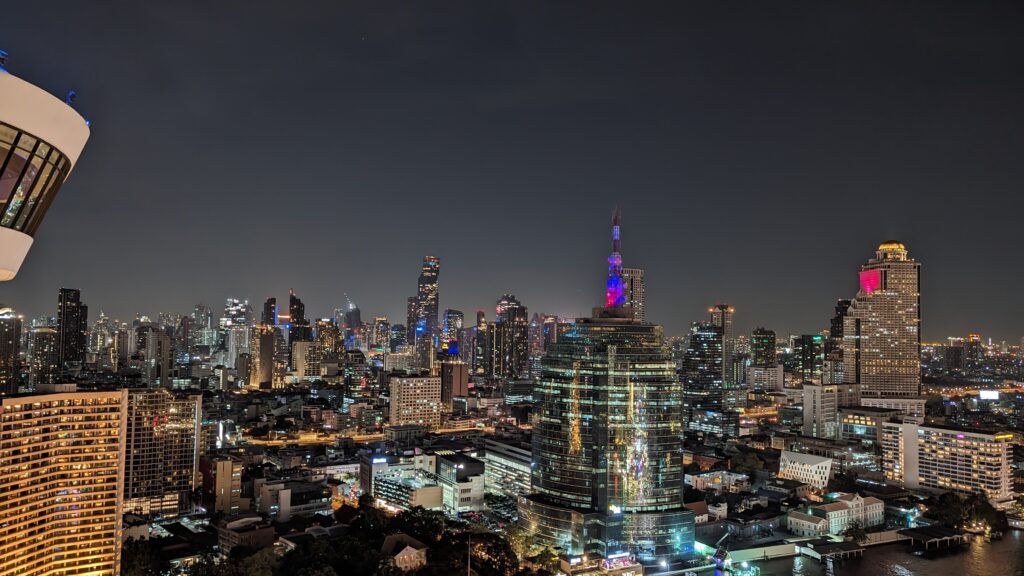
{"x": 607, "y": 441}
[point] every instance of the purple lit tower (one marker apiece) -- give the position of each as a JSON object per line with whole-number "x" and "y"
{"x": 615, "y": 292}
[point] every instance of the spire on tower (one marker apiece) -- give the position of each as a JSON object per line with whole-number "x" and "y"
{"x": 615, "y": 291}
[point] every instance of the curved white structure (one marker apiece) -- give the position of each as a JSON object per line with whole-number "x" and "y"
{"x": 41, "y": 138}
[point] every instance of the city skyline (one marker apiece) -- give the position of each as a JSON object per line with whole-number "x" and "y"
{"x": 428, "y": 103}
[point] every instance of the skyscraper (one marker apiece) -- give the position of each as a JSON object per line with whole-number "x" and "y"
{"x": 43, "y": 357}
{"x": 705, "y": 395}
{"x": 161, "y": 451}
{"x": 427, "y": 297}
{"x": 453, "y": 320}
{"x": 381, "y": 333}
{"x": 762, "y": 347}
{"x": 509, "y": 339}
{"x": 299, "y": 328}
{"x": 10, "y": 346}
{"x": 809, "y": 351}
{"x": 634, "y": 280}
{"x": 269, "y": 315}
{"x": 881, "y": 329}
{"x": 607, "y": 475}
{"x": 262, "y": 350}
{"x": 721, "y": 316}
{"x": 62, "y": 484}
{"x": 72, "y": 328}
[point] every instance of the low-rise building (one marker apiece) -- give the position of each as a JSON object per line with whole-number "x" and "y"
{"x": 405, "y": 552}
{"x": 507, "y": 467}
{"x": 249, "y": 530}
{"x": 718, "y": 481}
{"x": 836, "y": 516}
{"x": 808, "y": 468}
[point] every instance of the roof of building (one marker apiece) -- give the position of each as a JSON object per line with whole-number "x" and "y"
{"x": 395, "y": 543}
{"x": 889, "y": 245}
{"x": 806, "y": 459}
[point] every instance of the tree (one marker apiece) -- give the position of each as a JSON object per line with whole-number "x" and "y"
{"x": 143, "y": 558}
{"x": 746, "y": 463}
{"x": 855, "y": 531}
{"x": 262, "y": 563}
{"x": 427, "y": 526}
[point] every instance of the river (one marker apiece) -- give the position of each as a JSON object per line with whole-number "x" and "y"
{"x": 979, "y": 558}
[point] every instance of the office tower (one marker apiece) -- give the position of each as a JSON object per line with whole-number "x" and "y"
{"x": 43, "y": 357}
{"x": 299, "y": 328}
{"x": 202, "y": 316}
{"x": 452, "y": 324}
{"x": 308, "y": 357}
{"x": 329, "y": 338}
{"x": 762, "y": 348}
{"x": 832, "y": 367}
{"x": 10, "y": 347}
{"x": 509, "y": 342}
{"x": 705, "y": 396}
{"x": 222, "y": 482}
{"x": 62, "y": 483}
{"x": 155, "y": 355}
{"x": 949, "y": 458}
{"x": 634, "y": 281}
{"x": 721, "y": 316}
{"x": 481, "y": 357}
{"x": 415, "y": 400}
{"x": 411, "y": 312}
{"x": 236, "y": 313}
{"x": 881, "y": 329}
{"x": 821, "y": 403}
{"x": 427, "y": 298}
{"x": 40, "y": 140}
{"x": 236, "y": 342}
{"x": 454, "y": 381}
{"x": 809, "y": 351}
{"x": 381, "y": 333}
{"x": 269, "y": 316}
{"x": 161, "y": 450}
{"x": 263, "y": 353}
{"x": 607, "y": 475}
{"x": 72, "y": 328}
{"x": 398, "y": 334}
{"x": 974, "y": 353}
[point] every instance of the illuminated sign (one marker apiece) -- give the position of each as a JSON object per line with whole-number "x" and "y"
{"x": 870, "y": 280}
{"x": 989, "y": 394}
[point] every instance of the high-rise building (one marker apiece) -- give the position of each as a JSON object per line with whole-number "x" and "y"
{"x": 509, "y": 340}
{"x": 452, "y": 324}
{"x": 72, "y": 328}
{"x": 821, "y": 404}
{"x": 43, "y": 357}
{"x": 329, "y": 338}
{"x": 427, "y": 297}
{"x": 762, "y": 348}
{"x": 454, "y": 381}
{"x": 881, "y": 329}
{"x": 415, "y": 400}
{"x": 61, "y": 511}
{"x": 809, "y": 353}
{"x": 10, "y": 349}
{"x": 381, "y": 333}
{"x": 398, "y": 334}
{"x": 161, "y": 451}
{"x": 40, "y": 139}
{"x": 299, "y": 328}
{"x": 156, "y": 355}
{"x": 263, "y": 353}
{"x": 607, "y": 475}
{"x": 634, "y": 280}
{"x": 705, "y": 395}
{"x": 721, "y": 316}
{"x": 948, "y": 458}
{"x": 269, "y": 315}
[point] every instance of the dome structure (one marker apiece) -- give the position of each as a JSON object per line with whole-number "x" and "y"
{"x": 891, "y": 245}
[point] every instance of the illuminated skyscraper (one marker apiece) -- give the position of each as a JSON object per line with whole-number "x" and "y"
{"x": 43, "y": 357}
{"x": 299, "y": 328}
{"x": 881, "y": 329}
{"x": 634, "y": 279}
{"x": 41, "y": 138}
{"x": 10, "y": 346}
{"x": 263, "y": 350}
{"x": 762, "y": 347}
{"x": 509, "y": 339}
{"x": 161, "y": 454}
{"x": 452, "y": 324}
{"x": 607, "y": 471}
{"x": 809, "y": 351}
{"x": 381, "y": 333}
{"x": 61, "y": 510}
{"x": 721, "y": 316}
{"x": 72, "y": 328}
{"x": 705, "y": 394}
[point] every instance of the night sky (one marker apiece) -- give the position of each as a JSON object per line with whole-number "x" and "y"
{"x": 759, "y": 153}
